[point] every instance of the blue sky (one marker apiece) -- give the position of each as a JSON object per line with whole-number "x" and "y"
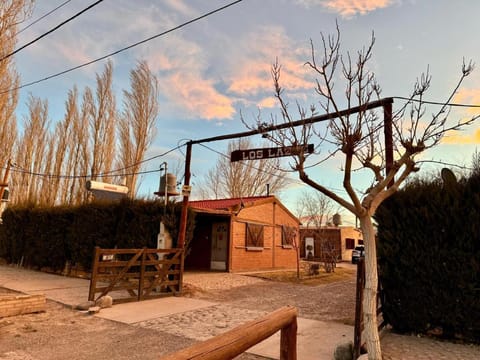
{"x": 211, "y": 70}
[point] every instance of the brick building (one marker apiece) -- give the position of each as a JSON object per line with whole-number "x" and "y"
{"x": 243, "y": 234}
{"x": 340, "y": 239}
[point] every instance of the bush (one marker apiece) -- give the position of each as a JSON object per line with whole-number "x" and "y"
{"x": 49, "y": 237}
{"x": 429, "y": 258}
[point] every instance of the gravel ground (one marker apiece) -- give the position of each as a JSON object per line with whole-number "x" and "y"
{"x": 60, "y": 333}
{"x": 331, "y": 302}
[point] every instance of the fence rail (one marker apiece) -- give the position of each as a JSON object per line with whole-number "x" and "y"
{"x": 238, "y": 340}
{"x": 143, "y": 273}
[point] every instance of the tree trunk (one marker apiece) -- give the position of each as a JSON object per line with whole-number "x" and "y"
{"x": 370, "y": 291}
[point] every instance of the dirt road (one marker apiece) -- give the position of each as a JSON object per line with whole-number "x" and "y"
{"x": 61, "y": 333}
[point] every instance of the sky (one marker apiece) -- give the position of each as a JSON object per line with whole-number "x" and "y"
{"x": 217, "y": 68}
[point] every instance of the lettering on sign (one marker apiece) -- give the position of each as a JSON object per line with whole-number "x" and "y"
{"x": 269, "y": 153}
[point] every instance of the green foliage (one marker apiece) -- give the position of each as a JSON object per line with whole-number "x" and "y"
{"x": 49, "y": 237}
{"x": 429, "y": 258}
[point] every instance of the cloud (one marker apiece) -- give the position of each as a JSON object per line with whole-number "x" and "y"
{"x": 182, "y": 67}
{"x": 199, "y": 97}
{"x": 458, "y": 138}
{"x": 468, "y": 96}
{"x": 268, "y": 102}
{"x": 209, "y": 82}
{"x": 348, "y": 8}
{"x": 464, "y": 137}
{"x": 250, "y": 76}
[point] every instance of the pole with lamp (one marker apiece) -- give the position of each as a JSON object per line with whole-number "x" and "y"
{"x": 162, "y": 190}
{"x": 167, "y": 187}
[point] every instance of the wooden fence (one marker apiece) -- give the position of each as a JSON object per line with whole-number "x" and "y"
{"x": 143, "y": 273}
{"x": 359, "y": 326}
{"x": 238, "y": 340}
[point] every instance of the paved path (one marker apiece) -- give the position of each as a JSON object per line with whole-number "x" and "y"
{"x": 201, "y": 319}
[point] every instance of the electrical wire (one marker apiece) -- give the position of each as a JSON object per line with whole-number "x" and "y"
{"x": 51, "y": 30}
{"x": 51, "y": 176}
{"x": 108, "y": 173}
{"x": 16, "y": 168}
{"x": 294, "y": 181}
{"x": 436, "y": 102}
{"x": 122, "y": 49}
{"x": 43, "y": 16}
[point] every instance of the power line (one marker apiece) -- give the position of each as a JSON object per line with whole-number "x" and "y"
{"x": 123, "y": 49}
{"x": 111, "y": 173}
{"x": 436, "y": 102}
{"x": 43, "y": 16}
{"x": 295, "y": 181}
{"x": 50, "y": 31}
{"x": 52, "y": 176}
{"x": 178, "y": 147}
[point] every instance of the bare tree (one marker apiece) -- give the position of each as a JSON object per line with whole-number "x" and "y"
{"x": 100, "y": 111}
{"x": 12, "y": 13}
{"x": 62, "y": 153}
{"x": 314, "y": 208}
{"x": 31, "y": 153}
{"x": 355, "y": 139}
{"x": 242, "y": 178}
{"x": 137, "y": 124}
{"x": 316, "y": 211}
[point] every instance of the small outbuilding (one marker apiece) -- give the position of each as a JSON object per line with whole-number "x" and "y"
{"x": 321, "y": 242}
{"x": 243, "y": 234}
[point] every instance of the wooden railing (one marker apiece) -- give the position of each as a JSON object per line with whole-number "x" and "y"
{"x": 138, "y": 271}
{"x": 238, "y": 340}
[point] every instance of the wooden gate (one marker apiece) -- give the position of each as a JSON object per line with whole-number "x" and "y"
{"x": 142, "y": 273}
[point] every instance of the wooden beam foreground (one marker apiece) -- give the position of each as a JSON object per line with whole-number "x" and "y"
{"x": 236, "y": 341}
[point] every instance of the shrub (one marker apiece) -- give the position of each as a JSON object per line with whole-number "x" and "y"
{"x": 49, "y": 237}
{"x": 429, "y": 258}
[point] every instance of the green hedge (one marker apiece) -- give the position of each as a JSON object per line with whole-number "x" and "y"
{"x": 49, "y": 237}
{"x": 429, "y": 258}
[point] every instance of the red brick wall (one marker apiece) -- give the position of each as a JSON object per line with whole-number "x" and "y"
{"x": 273, "y": 255}
{"x": 11, "y": 305}
{"x": 336, "y": 236}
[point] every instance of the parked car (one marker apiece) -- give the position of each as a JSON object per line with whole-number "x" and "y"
{"x": 358, "y": 253}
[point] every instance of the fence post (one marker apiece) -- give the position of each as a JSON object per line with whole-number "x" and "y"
{"x": 288, "y": 341}
{"x": 238, "y": 340}
{"x": 142, "y": 276}
{"x": 181, "y": 267}
{"x": 357, "y": 341}
{"x": 93, "y": 276}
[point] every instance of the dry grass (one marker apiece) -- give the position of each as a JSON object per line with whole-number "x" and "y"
{"x": 323, "y": 277}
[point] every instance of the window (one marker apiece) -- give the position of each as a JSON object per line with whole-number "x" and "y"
{"x": 254, "y": 236}
{"x": 349, "y": 243}
{"x": 288, "y": 235}
{"x": 360, "y": 242}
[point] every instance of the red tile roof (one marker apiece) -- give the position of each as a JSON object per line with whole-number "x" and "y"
{"x": 225, "y": 204}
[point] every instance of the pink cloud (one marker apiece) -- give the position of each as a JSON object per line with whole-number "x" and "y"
{"x": 349, "y": 8}
{"x": 459, "y": 138}
{"x": 268, "y": 102}
{"x": 197, "y": 97}
{"x": 468, "y": 96}
{"x": 466, "y": 136}
{"x": 251, "y": 74}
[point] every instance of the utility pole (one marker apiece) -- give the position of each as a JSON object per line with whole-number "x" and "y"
{"x": 183, "y": 217}
{"x": 4, "y": 183}
{"x": 387, "y": 130}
